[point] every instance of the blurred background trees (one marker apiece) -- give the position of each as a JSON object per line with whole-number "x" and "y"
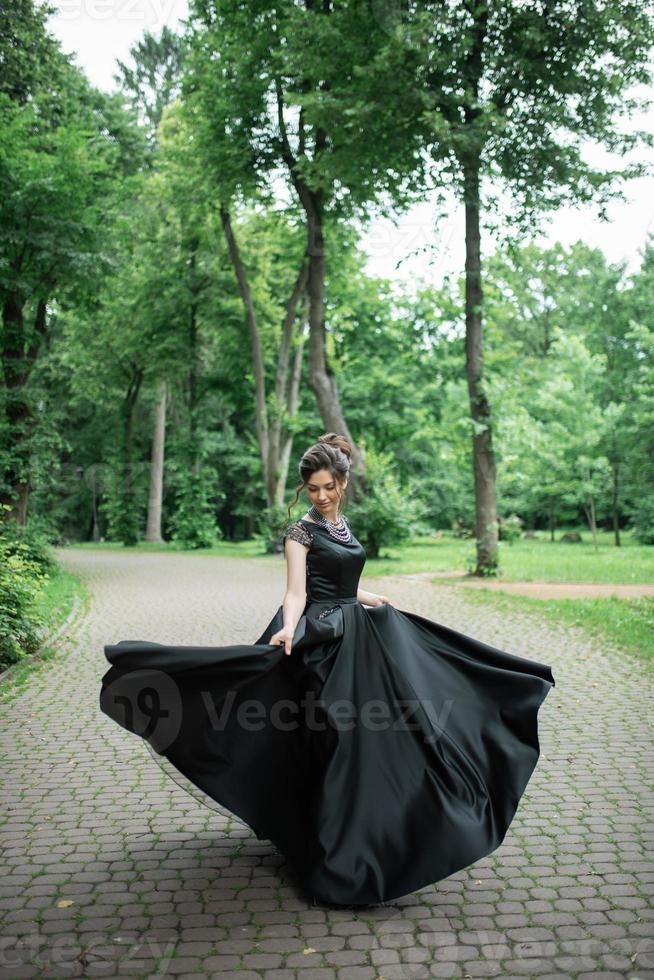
{"x": 186, "y": 307}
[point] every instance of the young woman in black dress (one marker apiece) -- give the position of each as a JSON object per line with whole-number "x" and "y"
{"x": 388, "y": 752}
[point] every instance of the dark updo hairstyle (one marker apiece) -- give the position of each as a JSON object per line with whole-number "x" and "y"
{"x": 332, "y": 452}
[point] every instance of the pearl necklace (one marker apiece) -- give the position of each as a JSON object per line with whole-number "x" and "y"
{"x": 340, "y": 532}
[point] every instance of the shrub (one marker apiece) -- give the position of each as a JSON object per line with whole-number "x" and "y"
{"x": 384, "y": 514}
{"x": 23, "y": 572}
{"x": 193, "y": 522}
{"x": 271, "y": 524}
{"x": 30, "y": 541}
{"x": 642, "y": 517}
{"x": 510, "y": 528}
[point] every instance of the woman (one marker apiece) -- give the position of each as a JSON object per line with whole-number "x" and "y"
{"x": 378, "y": 750}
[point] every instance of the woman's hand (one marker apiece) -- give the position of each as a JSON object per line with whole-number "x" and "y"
{"x": 285, "y": 636}
{"x": 371, "y": 598}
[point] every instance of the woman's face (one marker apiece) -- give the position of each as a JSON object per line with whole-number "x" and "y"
{"x": 323, "y": 490}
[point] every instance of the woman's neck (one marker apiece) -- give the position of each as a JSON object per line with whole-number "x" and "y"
{"x": 333, "y": 518}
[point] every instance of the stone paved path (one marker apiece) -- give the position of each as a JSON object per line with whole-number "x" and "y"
{"x": 110, "y": 869}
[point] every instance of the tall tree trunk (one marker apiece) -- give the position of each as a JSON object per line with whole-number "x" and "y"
{"x": 615, "y": 508}
{"x": 322, "y": 379}
{"x": 293, "y": 405}
{"x": 589, "y": 510}
{"x": 261, "y": 416}
{"x": 273, "y": 437}
{"x": 482, "y": 437}
{"x": 130, "y": 534}
{"x": 547, "y": 333}
{"x": 287, "y": 391}
{"x": 153, "y": 528}
{"x": 193, "y": 362}
{"x": 469, "y": 154}
{"x": 95, "y": 525}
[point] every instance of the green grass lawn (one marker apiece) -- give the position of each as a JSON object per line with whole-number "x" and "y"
{"x": 539, "y": 560}
{"x": 234, "y": 549}
{"x": 627, "y": 624}
{"x": 58, "y": 597}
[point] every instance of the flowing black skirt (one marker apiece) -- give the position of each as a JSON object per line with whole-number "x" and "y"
{"x": 384, "y": 754}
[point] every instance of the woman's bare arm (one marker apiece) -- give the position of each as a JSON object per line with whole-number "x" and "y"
{"x": 296, "y": 593}
{"x": 296, "y": 582}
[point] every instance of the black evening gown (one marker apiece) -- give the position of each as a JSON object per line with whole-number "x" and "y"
{"x": 384, "y": 754}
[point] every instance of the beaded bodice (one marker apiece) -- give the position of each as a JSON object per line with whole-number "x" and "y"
{"x": 333, "y": 567}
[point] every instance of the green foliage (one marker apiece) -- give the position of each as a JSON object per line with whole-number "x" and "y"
{"x": 556, "y": 406}
{"x": 252, "y": 64}
{"x": 122, "y": 505}
{"x": 487, "y": 570}
{"x": 30, "y": 541}
{"x": 384, "y": 515}
{"x": 127, "y": 251}
{"x": 154, "y": 79}
{"x": 271, "y": 523}
{"x": 639, "y": 422}
{"x": 24, "y": 558}
{"x": 511, "y": 528}
{"x": 462, "y": 530}
{"x": 28, "y": 52}
{"x": 66, "y": 149}
{"x": 642, "y": 515}
{"x": 192, "y": 523}
{"x": 571, "y": 389}
{"x": 514, "y": 91}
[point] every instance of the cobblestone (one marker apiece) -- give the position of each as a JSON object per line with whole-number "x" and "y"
{"x": 111, "y": 869}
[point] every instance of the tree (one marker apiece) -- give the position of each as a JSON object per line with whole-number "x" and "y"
{"x": 29, "y": 54}
{"x": 638, "y": 350}
{"x": 275, "y": 85}
{"x": 207, "y": 180}
{"x": 151, "y": 84}
{"x": 509, "y": 95}
{"x": 154, "y": 80}
{"x": 56, "y": 175}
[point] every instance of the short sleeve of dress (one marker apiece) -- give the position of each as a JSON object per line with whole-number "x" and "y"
{"x": 298, "y": 532}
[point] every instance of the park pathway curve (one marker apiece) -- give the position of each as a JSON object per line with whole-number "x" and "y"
{"x": 110, "y": 869}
